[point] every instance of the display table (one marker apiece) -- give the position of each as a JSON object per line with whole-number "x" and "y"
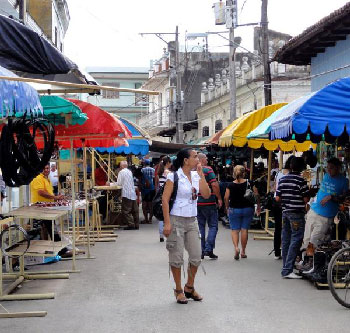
{"x": 37, "y": 248}
{"x": 39, "y": 213}
{"x": 108, "y": 188}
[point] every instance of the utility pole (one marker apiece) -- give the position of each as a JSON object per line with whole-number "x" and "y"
{"x": 231, "y": 22}
{"x": 265, "y": 53}
{"x": 178, "y": 109}
{"x": 22, "y": 4}
{"x": 173, "y": 81}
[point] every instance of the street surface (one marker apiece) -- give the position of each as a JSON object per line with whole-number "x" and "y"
{"x": 127, "y": 289}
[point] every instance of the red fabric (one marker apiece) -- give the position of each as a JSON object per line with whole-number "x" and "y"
{"x": 100, "y": 130}
{"x": 99, "y": 124}
{"x": 100, "y": 177}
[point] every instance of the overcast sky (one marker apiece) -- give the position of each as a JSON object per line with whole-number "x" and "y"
{"x": 106, "y": 32}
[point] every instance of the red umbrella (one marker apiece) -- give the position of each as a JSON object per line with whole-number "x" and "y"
{"x": 100, "y": 130}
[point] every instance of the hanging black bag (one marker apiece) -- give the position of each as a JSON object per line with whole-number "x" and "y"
{"x": 157, "y": 200}
{"x": 249, "y": 194}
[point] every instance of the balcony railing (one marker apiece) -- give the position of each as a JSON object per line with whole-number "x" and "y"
{"x": 158, "y": 118}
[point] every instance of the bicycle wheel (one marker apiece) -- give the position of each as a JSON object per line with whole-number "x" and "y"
{"x": 5, "y": 240}
{"x": 338, "y": 276}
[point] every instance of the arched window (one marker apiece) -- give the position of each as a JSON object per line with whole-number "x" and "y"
{"x": 205, "y": 131}
{"x": 218, "y": 125}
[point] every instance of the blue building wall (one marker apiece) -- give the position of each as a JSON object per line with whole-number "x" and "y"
{"x": 334, "y": 57}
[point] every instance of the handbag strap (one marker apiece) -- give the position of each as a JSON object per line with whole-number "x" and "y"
{"x": 176, "y": 185}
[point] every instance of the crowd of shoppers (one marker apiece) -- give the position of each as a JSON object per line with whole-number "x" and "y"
{"x": 191, "y": 213}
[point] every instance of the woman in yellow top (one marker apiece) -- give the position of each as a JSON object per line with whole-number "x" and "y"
{"x": 41, "y": 189}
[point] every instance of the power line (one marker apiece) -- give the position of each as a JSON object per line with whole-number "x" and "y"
{"x": 243, "y": 7}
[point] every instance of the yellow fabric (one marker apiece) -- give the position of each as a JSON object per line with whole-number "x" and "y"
{"x": 279, "y": 144}
{"x": 40, "y": 183}
{"x": 236, "y": 133}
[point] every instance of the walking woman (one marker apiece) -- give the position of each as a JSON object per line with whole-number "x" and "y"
{"x": 160, "y": 179}
{"x": 240, "y": 209}
{"x": 180, "y": 223}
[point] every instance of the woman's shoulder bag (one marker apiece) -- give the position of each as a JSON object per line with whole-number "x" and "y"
{"x": 249, "y": 194}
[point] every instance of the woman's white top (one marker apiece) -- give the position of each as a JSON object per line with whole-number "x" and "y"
{"x": 184, "y": 206}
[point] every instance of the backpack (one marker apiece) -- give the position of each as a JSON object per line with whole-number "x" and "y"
{"x": 157, "y": 200}
{"x": 147, "y": 182}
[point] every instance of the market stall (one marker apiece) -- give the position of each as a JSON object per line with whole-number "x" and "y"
{"x": 322, "y": 117}
{"x": 236, "y": 135}
{"x": 19, "y": 98}
{"x": 101, "y": 129}
{"x": 16, "y": 97}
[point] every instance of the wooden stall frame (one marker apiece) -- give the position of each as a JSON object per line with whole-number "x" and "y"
{"x": 269, "y": 233}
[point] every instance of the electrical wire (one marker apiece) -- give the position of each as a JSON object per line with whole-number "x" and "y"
{"x": 243, "y": 7}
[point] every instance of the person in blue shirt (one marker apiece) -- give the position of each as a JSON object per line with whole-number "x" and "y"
{"x": 325, "y": 207}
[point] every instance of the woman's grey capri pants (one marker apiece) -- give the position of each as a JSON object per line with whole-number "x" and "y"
{"x": 184, "y": 234}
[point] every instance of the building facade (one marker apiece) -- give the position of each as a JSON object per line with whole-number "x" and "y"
{"x": 49, "y": 18}
{"x": 160, "y": 120}
{"x": 325, "y": 46}
{"x": 125, "y": 104}
{"x": 288, "y": 83}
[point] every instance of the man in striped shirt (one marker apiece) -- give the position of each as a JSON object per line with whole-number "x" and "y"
{"x": 293, "y": 193}
{"x": 207, "y": 211}
{"x": 130, "y": 208}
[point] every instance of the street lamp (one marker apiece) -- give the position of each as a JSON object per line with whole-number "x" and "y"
{"x": 193, "y": 36}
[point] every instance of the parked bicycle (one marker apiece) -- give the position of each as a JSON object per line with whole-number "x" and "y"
{"x": 338, "y": 273}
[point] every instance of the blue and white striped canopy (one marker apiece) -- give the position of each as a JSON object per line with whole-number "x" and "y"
{"x": 138, "y": 145}
{"x": 322, "y": 114}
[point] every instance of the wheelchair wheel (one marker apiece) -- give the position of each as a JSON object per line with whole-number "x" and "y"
{"x": 338, "y": 276}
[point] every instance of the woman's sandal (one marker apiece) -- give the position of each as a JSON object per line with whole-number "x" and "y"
{"x": 236, "y": 257}
{"x": 244, "y": 256}
{"x": 192, "y": 294}
{"x": 180, "y": 296}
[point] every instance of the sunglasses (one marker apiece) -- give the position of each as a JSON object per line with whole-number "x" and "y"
{"x": 194, "y": 194}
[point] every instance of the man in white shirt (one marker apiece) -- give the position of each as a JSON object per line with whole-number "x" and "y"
{"x": 53, "y": 176}
{"x": 130, "y": 209}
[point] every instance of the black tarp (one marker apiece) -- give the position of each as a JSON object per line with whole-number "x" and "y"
{"x": 22, "y": 49}
{"x": 171, "y": 148}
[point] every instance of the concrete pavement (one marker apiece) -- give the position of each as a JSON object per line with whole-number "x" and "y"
{"x": 127, "y": 289}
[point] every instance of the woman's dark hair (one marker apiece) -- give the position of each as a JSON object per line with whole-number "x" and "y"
{"x": 289, "y": 160}
{"x": 180, "y": 157}
{"x": 164, "y": 161}
{"x": 298, "y": 164}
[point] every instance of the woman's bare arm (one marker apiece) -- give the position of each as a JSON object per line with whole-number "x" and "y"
{"x": 168, "y": 190}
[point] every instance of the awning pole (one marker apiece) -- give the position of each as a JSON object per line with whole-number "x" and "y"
{"x": 251, "y": 164}
{"x": 73, "y": 200}
{"x": 269, "y": 172}
{"x": 93, "y": 167}
{"x": 281, "y": 161}
{"x": 87, "y": 205}
{"x": 77, "y": 85}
